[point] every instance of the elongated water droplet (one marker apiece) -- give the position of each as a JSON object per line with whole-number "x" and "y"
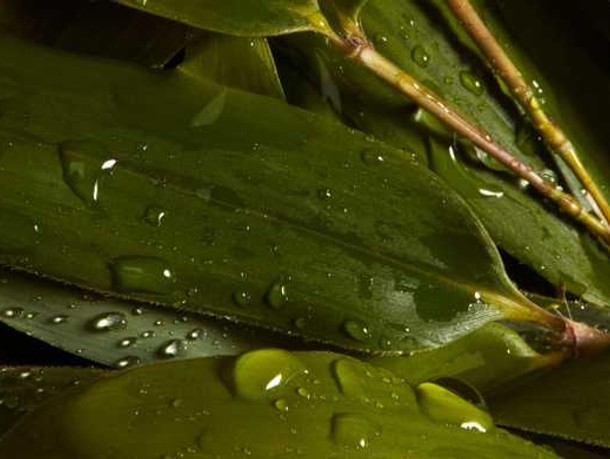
{"x": 353, "y": 430}
{"x": 420, "y": 56}
{"x": 154, "y": 215}
{"x": 471, "y": 83}
{"x": 276, "y": 295}
{"x": 109, "y": 321}
{"x": 464, "y": 390}
{"x": 347, "y": 374}
{"x": 12, "y": 313}
{"x": 258, "y": 374}
{"x": 491, "y": 192}
{"x": 128, "y": 342}
{"x": 128, "y": 361}
{"x": 211, "y": 111}
{"x": 59, "y": 319}
{"x": 17, "y": 232}
{"x": 83, "y": 164}
{"x": 356, "y": 329}
{"x": 195, "y": 334}
{"x": 141, "y": 274}
{"x": 172, "y": 349}
{"x": 281, "y": 404}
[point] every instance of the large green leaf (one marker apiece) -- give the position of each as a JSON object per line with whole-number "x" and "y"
{"x": 173, "y": 190}
{"x": 571, "y": 402}
{"x": 420, "y": 38}
{"x": 277, "y": 404}
{"x": 115, "y": 332}
{"x": 238, "y": 17}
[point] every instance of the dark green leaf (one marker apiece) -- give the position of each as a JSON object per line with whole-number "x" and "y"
{"x": 571, "y": 402}
{"x": 177, "y": 191}
{"x": 276, "y": 404}
{"x": 238, "y": 17}
{"x": 115, "y": 332}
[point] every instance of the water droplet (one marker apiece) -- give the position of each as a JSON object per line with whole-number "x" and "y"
{"x": 83, "y": 165}
{"x": 154, "y": 215}
{"x": 353, "y": 430}
{"x": 147, "y": 334}
{"x": 491, "y": 192}
{"x": 444, "y": 406}
{"x": 420, "y": 56}
{"x": 462, "y": 389}
{"x": 258, "y": 373}
{"x": 196, "y": 334}
{"x": 356, "y": 329}
{"x": 276, "y": 295}
{"x": 303, "y": 392}
{"x": 548, "y": 175}
{"x": 141, "y": 274}
{"x": 109, "y": 321}
{"x": 12, "y": 313}
{"x": 325, "y": 193}
{"x": 128, "y": 361}
{"x": 348, "y": 373}
{"x": 471, "y": 83}
{"x": 17, "y": 232}
{"x": 242, "y": 297}
{"x": 171, "y": 349}
{"x": 128, "y": 342}
{"x": 372, "y": 157}
{"x": 59, "y": 319}
{"x": 281, "y": 404}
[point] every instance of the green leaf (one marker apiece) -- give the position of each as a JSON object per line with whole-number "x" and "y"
{"x": 103, "y": 29}
{"x": 570, "y": 402}
{"x": 239, "y": 17}
{"x": 115, "y": 332}
{"x": 420, "y": 38}
{"x": 276, "y": 404}
{"x": 487, "y": 359}
{"x": 165, "y": 189}
{"x": 23, "y": 389}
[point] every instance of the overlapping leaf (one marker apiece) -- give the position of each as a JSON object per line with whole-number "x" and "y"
{"x": 168, "y": 187}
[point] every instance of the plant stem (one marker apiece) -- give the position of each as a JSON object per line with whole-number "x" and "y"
{"x": 361, "y": 50}
{"x": 552, "y": 134}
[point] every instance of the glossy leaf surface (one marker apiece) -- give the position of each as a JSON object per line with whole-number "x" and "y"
{"x": 420, "y": 37}
{"x": 115, "y": 332}
{"x": 277, "y": 403}
{"x": 570, "y": 402}
{"x": 177, "y": 203}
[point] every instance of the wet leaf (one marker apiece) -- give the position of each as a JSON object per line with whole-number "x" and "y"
{"x": 570, "y": 402}
{"x": 23, "y": 389}
{"x": 420, "y": 37}
{"x": 277, "y": 403}
{"x": 115, "y": 332}
{"x": 164, "y": 188}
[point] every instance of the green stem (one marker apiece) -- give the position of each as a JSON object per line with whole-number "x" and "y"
{"x": 552, "y": 134}
{"x": 360, "y": 50}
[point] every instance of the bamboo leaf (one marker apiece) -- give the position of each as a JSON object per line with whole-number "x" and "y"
{"x": 418, "y": 37}
{"x": 570, "y": 402}
{"x": 239, "y": 17}
{"x": 114, "y": 332}
{"x": 115, "y": 173}
{"x": 335, "y": 404}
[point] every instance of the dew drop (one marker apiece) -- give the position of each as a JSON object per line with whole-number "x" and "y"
{"x": 242, "y": 298}
{"x": 372, "y": 157}
{"x": 154, "y": 215}
{"x": 172, "y": 349}
{"x": 281, "y": 404}
{"x": 353, "y": 430}
{"x": 303, "y": 392}
{"x": 59, "y": 319}
{"x": 471, "y": 83}
{"x": 420, "y": 56}
{"x": 347, "y": 374}
{"x": 325, "y": 194}
{"x": 109, "y": 321}
{"x": 491, "y": 192}
{"x": 276, "y": 295}
{"x": 12, "y": 313}
{"x": 357, "y": 330}
{"x": 259, "y": 373}
{"x": 548, "y": 175}
{"x": 128, "y": 361}
{"x": 195, "y": 334}
{"x": 141, "y": 274}
{"x": 128, "y": 342}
